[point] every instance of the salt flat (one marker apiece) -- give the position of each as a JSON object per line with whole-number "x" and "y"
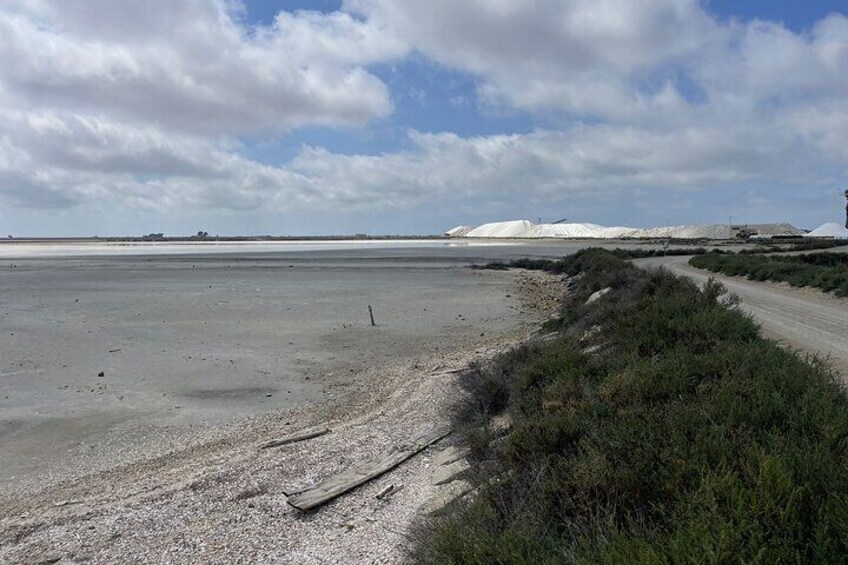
{"x": 189, "y": 341}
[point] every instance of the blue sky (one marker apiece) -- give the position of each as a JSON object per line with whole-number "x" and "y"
{"x": 395, "y": 116}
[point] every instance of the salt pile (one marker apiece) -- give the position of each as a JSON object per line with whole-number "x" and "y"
{"x": 515, "y": 228}
{"x": 708, "y": 231}
{"x": 528, "y": 230}
{"x": 577, "y": 231}
{"x": 830, "y": 229}
{"x": 766, "y": 230}
{"x": 459, "y": 231}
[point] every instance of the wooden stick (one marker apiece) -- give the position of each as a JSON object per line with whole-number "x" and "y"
{"x": 339, "y": 484}
{"x": 449, "y": 372}
{"x": 294, "y": 438}
{"x": 385, "y": 491}
{"x": 389, "y": 491}
{"x": 68, "y": 502}
{"x": 371, "y": 313}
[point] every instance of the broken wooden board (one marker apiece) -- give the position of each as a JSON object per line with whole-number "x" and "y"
{"x": 341, "y": 483}
{"x": 294, "y": 438}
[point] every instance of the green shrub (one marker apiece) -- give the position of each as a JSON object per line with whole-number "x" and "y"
{"x": 826, "y": 271}
{"x": 688, "y": 439}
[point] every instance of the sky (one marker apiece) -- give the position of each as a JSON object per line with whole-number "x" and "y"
{"x": 318, "y": 117}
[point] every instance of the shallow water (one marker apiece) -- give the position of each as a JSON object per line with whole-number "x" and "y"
{"x": 14, "y": 250}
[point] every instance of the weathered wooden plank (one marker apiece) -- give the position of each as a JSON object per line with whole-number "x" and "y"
{"x": 295, "y": 438}
{"x": 349, "y": 479}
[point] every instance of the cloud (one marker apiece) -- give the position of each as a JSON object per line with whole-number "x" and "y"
{"x": 607, "y": 57}
{"x": 144, "y": 104}
{"x": 190, "y": 66}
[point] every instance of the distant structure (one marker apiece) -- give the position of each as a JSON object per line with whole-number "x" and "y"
{"x": 846, "y": 209}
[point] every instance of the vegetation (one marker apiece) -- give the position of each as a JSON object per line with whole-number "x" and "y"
{"x": 810, "y": 244}
{"x": 657, "y": 426}
{"x": 559, "y": 266}
{"x": 827, "y": 271}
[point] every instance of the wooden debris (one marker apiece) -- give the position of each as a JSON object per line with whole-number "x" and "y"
{"x": 67, "y": 502}
{"x": 449, "y": 372}
{"x": 341, "y": 483}
{"x": 295, "y": 438}
{"x": 389, "y": 491}
{"x": 292, "y": 490}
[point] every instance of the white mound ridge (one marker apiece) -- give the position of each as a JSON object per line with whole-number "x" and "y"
{"x": 459, "y": 231}
{"x": 514, "y": 228}
{"x": 830, "y": 229}
{"x": 576, "y": 231}
{"x": 525, "y": 229}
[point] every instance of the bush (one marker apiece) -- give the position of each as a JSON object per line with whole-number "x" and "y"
{"x": 826, "y": 271}
{"x": 690, "y": 438}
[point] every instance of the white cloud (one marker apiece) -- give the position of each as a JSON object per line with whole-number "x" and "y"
{"x": 189, "y": 66}
{"x": 141, "y": 104}
{"x": 587, "y": 56}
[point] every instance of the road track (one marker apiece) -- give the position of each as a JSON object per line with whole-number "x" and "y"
{"x": 799, "y": 319}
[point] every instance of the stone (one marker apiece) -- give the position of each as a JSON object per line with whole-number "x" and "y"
{"x": 449, "y": 455}
{"x": 597, "y": 295}
{"x": 501, "y": 423}
{"x": 446, "y": 495}
{"x": 447, "y": 473}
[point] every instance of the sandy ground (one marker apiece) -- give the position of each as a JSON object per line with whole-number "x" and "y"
{"x": 194, "y": 492}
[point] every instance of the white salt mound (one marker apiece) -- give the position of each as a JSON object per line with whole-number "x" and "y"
{"x": 766, "y": 230}
{"x": 830, "y": 229}
{"x": 577, "y": 231}
{"x": 459, "y": 231}
{"x": 528, "y": 230}
{"x": 515, "y": 228}
{"x": 593, "y": 231}
{"x": 708, "y": 231}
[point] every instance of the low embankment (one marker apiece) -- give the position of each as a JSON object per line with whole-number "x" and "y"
{"x": 826, "y": 271}
{"x": 655, "y": 425}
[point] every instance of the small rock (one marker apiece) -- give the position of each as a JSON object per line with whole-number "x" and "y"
{"x": 501, "y": 423}
{"x": 449, "y": 455}
{"x": 595, "y": 296}
{"x": 447, "y": 473}
{"x": 101, "y": 374}
{"x": 446, "y": 495}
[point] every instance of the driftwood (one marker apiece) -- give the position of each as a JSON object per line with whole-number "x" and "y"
{"x": 67, "y": 502}
{"x": 337, "y": 485}
{"x": 294, "y": 438}
{"x": 388, "y": 491}
{"x": 293, "y": 490}
{"x": 449, "y": 372}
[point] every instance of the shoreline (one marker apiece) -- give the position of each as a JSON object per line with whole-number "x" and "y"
{"x": 224, "y": 479}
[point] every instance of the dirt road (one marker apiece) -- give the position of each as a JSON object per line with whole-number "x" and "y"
{"x": 801, "y": 319}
